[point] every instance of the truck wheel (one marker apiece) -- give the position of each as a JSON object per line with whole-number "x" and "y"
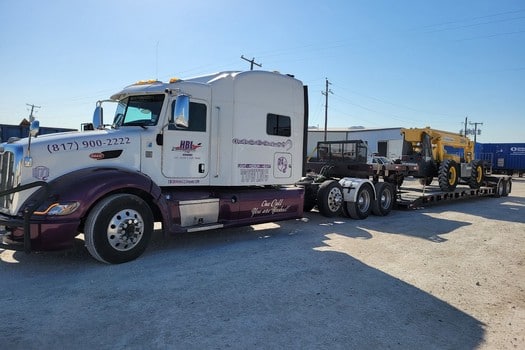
{"x": 118, "y": 228}
{"x": 448, "y": 175}
{"x": 361, "y": 208}
{"x": 476, "y": 175}
{"x": 330, "y": 198}
{"x": 385, "y": 199}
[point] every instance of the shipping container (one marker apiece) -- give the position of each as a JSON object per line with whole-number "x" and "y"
{"x": 21, "y": 131}
{"x": 503, "y": 158}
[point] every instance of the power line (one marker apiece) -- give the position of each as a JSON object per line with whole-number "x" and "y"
{"x": 472, "y": 19}
{"x": 491, "y": 35}
{"x": 475, "y": 24}
{"x": 440, "y": 115}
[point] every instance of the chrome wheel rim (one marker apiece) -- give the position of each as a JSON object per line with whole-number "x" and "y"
{"x": 125, "y": 230}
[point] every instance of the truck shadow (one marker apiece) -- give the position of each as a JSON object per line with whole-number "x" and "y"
{"x": 248, "y": 287}
{"x": 510, "y": 208}
{"x": 430, "y": 224}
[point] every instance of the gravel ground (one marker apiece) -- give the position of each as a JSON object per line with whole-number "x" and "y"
{"x": 449, "y": 276}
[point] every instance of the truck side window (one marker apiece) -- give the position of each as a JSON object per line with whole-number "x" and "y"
{"x": 278, "y": 125}
{"x": 197, "y": 116}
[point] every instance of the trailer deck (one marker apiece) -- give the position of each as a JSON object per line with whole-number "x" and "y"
{"x": 413, "y": 195}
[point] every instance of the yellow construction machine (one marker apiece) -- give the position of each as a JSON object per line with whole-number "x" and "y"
{"x": 442, "y": 154}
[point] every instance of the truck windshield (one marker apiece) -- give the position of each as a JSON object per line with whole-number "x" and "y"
{"x": 143, "y": 110}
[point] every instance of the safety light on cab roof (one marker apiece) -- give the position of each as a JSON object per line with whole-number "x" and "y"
{"x": 146, "y": 82}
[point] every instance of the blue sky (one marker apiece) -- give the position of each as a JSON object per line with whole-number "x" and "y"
{"x": 390, "y": 63}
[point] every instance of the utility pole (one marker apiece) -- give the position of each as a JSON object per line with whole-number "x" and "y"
{"x": 466, "y": 118}
{"x": 31, "y": 118}
{"x": 325, "y": 93}
{"x": 476, "y": 129}
{"x": 252, "y": 62}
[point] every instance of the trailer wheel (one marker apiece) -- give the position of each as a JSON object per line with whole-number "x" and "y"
{"x": 330, "y": 198}
{"x": 361, "y": 208}
{"x": 118, "y": 228}
{"x": 448, "y": 175}
{"x": 500, "y": 189}
{"x": 476, "y": 175}
{"x": 385, "y": 199}
{"x": 507, "y": 187}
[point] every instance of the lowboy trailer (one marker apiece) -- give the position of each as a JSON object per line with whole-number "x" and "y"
{"x": 340, "y": 178}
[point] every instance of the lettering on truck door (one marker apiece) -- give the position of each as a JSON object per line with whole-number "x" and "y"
{"x": 185, "y": 153}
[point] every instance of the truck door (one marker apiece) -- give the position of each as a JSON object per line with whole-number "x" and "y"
{"x": 185, "y": 152}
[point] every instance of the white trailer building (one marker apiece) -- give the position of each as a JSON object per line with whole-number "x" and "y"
{"x": 387, "y": 142}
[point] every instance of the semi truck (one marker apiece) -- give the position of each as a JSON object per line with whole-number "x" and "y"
{"x": 503, "y": 158}
{"x": 209, "y": 152}
{"x": 194, "y": 154}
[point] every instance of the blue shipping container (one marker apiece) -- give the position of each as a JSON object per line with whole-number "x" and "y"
{"x": 505, "y": 158}
{"x": 21, "y": 131}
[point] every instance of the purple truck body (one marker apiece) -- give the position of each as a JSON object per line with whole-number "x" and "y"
{"x": 238, "y": 206}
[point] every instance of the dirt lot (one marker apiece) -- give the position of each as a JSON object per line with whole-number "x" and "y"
{"x": 450, "y": 276}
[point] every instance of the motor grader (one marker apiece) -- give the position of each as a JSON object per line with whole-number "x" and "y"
{"x": 444, "y": 155}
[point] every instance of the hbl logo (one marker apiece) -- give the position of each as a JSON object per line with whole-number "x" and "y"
{"x": 187, "y": 146}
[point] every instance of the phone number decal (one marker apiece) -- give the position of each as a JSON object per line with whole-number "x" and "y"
{"x": 87, "y": 144}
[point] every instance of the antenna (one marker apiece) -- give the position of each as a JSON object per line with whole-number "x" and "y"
{"x": 157, "y": 61}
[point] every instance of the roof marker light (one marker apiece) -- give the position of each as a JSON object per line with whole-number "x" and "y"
{"x": 146, "y": 82}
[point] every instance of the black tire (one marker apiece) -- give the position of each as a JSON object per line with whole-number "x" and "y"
{"x": 330, "y": 198}
{"x": 425, "y": 181}
{"x": 507, "y": 187}
{"x": 118, "y": 228}
{"x": 361, "y": 208}
{"x": 448, "y": 175}
{"x": 384, "y": 202}
{"x": 500, "y": 189}
{"x": 477, "y": 175}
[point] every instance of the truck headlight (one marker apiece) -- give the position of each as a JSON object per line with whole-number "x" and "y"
{"x": 59, "y": 209}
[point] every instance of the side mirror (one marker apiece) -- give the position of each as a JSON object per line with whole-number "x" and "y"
{"x": 34, "y": 128}
{"x": 98, "y": 117}
{"x": 181, "y": 111}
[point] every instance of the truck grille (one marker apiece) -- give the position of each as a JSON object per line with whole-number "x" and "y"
{"x": 7, "y": 176}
